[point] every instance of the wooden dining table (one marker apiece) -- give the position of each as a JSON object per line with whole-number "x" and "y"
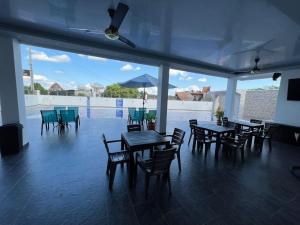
{"x": 140, "y": 140}
{"x": 218, "y": 131}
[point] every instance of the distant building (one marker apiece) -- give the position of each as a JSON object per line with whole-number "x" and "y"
{"x": 56, "y": 89}
{"x": 93, "y": 89}
{"x": 192, "y": 95}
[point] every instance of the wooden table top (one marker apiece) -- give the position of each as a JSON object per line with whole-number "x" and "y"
{"x": 215, "y": 128}
{"x": 143, "y": 139}
{"x": 247, "y": 123}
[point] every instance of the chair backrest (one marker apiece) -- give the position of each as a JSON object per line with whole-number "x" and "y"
{"x": 67, "y": 116}
{"x": 242, "y": 139}
{"x": 131, "y": 111}
{"x": 105, "y": 144}
{"x": 49, "y": 116}
{"x": 255, "y": 121}
{"x": 225, "y": 121}
{"x": 58, "y": 108}
{"x": 199, "y": 134}
{"x": 178, "y": 136}
{"x": 193, "y": 122}
{"x": 134, "y": 127}
{"x": 162, "y": 160}
{"x": 153, "y": 111}
{"x": 140, "y": 115}
{"x": 75, "y": 108}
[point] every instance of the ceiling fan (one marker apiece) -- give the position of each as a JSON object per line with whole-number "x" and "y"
{"x": 112, "y": 32}
{"x": 254, "y": 70}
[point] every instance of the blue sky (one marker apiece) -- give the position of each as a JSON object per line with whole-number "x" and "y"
{"x": 72, "y": 70}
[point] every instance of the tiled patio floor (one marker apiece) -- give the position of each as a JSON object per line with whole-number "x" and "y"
{"x": 61, "y": 180}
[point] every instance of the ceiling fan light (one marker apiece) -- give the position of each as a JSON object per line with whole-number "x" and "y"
{"x": 110, "y": 34}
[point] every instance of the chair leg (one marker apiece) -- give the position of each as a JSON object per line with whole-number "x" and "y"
{"x": 42, "y": 127}
{"x": 190, "y": 138}
{"x": 270, "y": 144}
{"x": 169, "y": 183}
{"x": 194, "y": 144}
{"x": 107, "y": 167}
{"x": 179, "y": 161}
{"x": 147, "y": 181}
{"x": 206, "y": 149}
{"x": 112, "y": 175}
{"x": 242, "y": 154}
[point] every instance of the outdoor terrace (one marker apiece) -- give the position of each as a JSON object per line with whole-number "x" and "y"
{"x": 60, "y": 179}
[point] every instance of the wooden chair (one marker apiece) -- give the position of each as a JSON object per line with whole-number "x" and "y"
{"x": 113, "y": 159}
{"x": 158, "y": 165}
{"x": 134, "y": 127}
{"x": 225, "y": 121}
{"x": 201, "y": 138}
{"x": 192, "y": 123}
{"x": 265, "y": 134}
{"x": 176, "y": 141}
{"x": 236, "y": 145}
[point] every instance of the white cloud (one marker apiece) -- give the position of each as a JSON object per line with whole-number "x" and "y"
{"x": 127, "y": 67}
{"x": 42, "y": 79}
{"x": 95, "y": 58}
{"x": 203, "y": 79}
{"x": 150, "y": 90}
{"x": 174, "y": 72}
{"x": 189, "y": 88}
{"x": 185, "y": 78}
{"x": 42, "y": 56}
{"x": 58, "y": 71}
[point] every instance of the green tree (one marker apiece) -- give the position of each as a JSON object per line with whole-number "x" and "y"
{"x": 116, "y": 91}
{"x": 39, "y": 87}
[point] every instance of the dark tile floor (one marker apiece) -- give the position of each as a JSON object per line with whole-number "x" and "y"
{"x": 61, "y": 180}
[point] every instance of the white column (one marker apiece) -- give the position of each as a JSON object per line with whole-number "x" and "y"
{"x": 11, "y": 84}
{"x": 162, "y": 98}
{"x": 230, "y": 98}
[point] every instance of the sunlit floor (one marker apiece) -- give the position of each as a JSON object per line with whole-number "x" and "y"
{"x": 62, "y": 180}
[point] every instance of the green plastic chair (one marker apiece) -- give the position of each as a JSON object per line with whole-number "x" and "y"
{"x": 58, "y": 108}
{"x": 131, "y": 113}
{"x": 142, "y": 114}
{"x": 153, "y": 111}
{"x": 48, "y": 116}
{"x": 76, "y": 110}
{"x": 135, "y": 117}
{"x": 68, "y": 116}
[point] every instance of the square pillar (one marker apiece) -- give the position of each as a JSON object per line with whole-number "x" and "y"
{"x": 162, "y": 98}
{"x": 11, "y": 84}
{"x": 230, "y": 98}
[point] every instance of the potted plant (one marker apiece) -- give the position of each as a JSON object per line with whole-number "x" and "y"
{"x": 150, "y": 117}
{"x": 219, "y": 114}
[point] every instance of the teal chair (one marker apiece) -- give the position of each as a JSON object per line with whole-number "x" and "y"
{"x": 48, "y": 116}
{"x": 67, "y": 116}
{"x": 131, "y": 114}
{"x": 76, "y": 110}
{"x": 58, "y": 108}
{"x": 135, "y": 117}
{"x": 142, "y": 114}
{"x": 153, "y": 111}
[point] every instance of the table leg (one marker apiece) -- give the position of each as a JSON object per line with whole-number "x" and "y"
{"x": 218, "y": 143}
{"x": 249, "y": 143}
{"x": 131, "y": 168}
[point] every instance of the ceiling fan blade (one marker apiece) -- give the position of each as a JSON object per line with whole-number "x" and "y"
{"x": 126, "y": 41}
{"x": 87, "y": 30}
{"x": 119, "y": 15}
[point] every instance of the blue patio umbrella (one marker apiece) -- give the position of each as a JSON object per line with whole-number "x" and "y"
{"x": 143, "y": 81}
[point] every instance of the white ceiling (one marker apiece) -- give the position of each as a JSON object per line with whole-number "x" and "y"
{"x": 203, "y": 32}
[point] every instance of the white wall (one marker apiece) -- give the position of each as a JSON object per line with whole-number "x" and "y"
{"x": 287, "y": 112}
{"x": 34, "y": 100}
